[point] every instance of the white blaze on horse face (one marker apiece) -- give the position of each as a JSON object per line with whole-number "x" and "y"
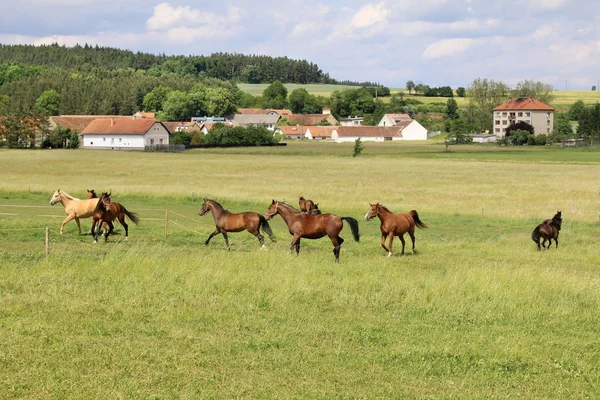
{"x": 55, "y": 198}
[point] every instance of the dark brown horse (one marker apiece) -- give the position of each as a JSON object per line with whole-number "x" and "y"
{"x": 309, "y": 226}
{"x": 91, "y": 194}
{"x": 306, "y": 206}
{"x": 107, "y": 212}
{"x": 547, "y": 230}
{"x": 226, "y": 221}
{"x": 395, "y": 225}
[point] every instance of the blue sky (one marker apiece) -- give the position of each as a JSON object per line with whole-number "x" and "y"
{"x": 436, "y": 42}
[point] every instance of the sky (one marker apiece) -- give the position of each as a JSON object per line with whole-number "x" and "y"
{"x": 434, "y": 42}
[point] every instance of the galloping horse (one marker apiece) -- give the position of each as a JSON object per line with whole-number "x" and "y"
{"x": 74, "y": 207}
{"x": 309, "y": 226}
{"x": 395, "y": 225}
{"x": 107, "y": 212}
{"x": 226, "y": 221}
{"x": 548, "y": 230}
{"x": 307, "y": 205}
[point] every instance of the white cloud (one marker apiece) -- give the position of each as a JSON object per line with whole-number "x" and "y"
{"x": 549, "y": 4}
{"x": 166, "y": 16}
{"x": 542, "y": 33}
{"x": 370, "y": 15}
{"x": 303, "y": 28}
{"x": 448, "y": 47}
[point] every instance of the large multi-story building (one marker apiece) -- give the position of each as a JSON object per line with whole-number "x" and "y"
{"x": 528, "y": 109}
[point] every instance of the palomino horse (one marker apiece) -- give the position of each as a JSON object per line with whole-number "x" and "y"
{"x": 395, "y": 225}
{"x": 74, "y": 207}
{"x": 309, "y": 226}
{"x": 548, "y": 230}
{"x": 226, "y": 221}
{"x": 107, "y": 212}
{"x": 306, "y": 206}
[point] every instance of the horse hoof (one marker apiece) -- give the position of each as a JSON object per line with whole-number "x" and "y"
{"x": 389, "y": 254}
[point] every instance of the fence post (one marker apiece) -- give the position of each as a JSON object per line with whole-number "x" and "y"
{"x": 166, "y": 222}
{"x": 47, "y": 241}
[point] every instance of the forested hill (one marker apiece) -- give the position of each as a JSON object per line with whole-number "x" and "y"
{"x": 224, "y": 66}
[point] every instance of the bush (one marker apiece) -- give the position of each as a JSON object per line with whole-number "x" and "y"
{"x": 239, "y": 136}
{"x": 519, "y": 137}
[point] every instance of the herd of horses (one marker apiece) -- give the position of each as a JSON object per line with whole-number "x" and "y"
{"x": 309, "y": 222}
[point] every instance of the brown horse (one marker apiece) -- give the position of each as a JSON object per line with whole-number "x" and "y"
{"x": 309, "y": 226}
{"x": 91, "y": 194}
{"x": 306, "y": 206}
{"x": 226, "y": 221}
{"x": 107, "y": 212}
{"x": 395, "y": 225}
{"x": 74, "y": 207}
{"x": 547, "y": 230}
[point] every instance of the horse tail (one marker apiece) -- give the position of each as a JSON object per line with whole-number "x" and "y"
{"x": 415, "y": 217}
{"x": 535, "y": 235}
{"x": 132, "y": 216}
{"x": 264, "y": 224}
{"x": 353, "y": 226}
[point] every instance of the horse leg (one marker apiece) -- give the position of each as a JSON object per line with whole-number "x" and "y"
{"x": 295, "y": 244}
{"x": 261, "y": 238}
{"x": 94, "y": 234}
{"x": 124, "y": 224}
{"x": 383, "y": 239}
{"x": 403, "y": 243}
{"x": 78, "y": 225}
{"x": 390, "y": 245}
{"x": 337, "y": 246}
{"x": 412, "y": 237}
{"x": 224, "y": 233}
{"x": 110, "y": 229}
{"x": 215, "y": 233}
{"x": 556, "y": 241}
{"x": 62, "y": 226}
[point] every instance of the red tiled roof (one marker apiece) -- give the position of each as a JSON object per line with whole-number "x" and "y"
{"x": 280, "y": 112}
{"x": 524, "y": 103}
{"x": 293, "y": 130}
{"x": 371, "y": 131}
{"x": 77, "y": 123}
{"x": 321, "y": 131}
{"x": 182, "y": 126}
{"x": 310, "y": 119}
{"x": 143, "y": 114}
{"x": 119, "y": 126}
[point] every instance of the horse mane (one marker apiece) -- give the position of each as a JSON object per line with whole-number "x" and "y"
{"x": 68, "y": 196}
{"x": 384, "y": 208}
{"x": 289, "y": 205}
{"x": 217, "y": 203}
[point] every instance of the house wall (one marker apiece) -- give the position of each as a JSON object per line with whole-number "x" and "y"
{"x": 386, "y": 121}
{"x": 156, "y": 134}
{"x": 127, "y": 142}
{"x": 414, "y": 131}
{"x": 542, "y": 121}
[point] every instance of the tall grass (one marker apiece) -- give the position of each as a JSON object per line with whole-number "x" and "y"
{"x": 477, "y": 312}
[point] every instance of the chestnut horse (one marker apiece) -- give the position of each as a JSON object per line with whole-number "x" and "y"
{"x": 395, "y": 225}
{"x": 310, "y": 226}
{"x": 226, "y": 221}
{"x": 106, "y": 212}
{"x": 307, "y": 205}
{"x": 74, "y": 207}
{"x": 547, "y": 230}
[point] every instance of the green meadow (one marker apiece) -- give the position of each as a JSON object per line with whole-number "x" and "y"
{"x": 477, "y": 312}
{"x": 563, "y": 99}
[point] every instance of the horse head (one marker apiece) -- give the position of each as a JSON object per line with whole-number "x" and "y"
{"x": 204, "y": 209}
{"x": 104, "y": 201}
{"x": 273, "y": 210}
{"x": 557, "y": 219}
{"x": 55, "y": 197}
{"x": 91, "y": 194}
{"x": 373, "y": 211}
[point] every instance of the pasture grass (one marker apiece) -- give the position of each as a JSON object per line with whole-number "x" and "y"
{"x": 477, "y": 312}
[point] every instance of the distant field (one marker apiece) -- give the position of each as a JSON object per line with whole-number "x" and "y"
{"x": 562, "y": 100}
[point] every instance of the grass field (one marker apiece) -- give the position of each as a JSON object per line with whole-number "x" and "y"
{"x": 476, "y": 313}
{"x": 563, "y": 99}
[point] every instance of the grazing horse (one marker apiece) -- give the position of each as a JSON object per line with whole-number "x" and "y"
{"x": 309, "y": 226}
{"x": 106, "y": 212}
{"x": 74, "y": 207}
{"x": 395, "y": 225}
{"x": 226, "y": 221}
{"x": 306, "y": 206}
{"x": 547, "y": 230}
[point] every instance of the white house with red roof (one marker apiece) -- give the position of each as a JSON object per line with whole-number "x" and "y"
{"x": 528, "y": 109}
{"x": 124, "y": 134}
{"x": 411, "y": 129}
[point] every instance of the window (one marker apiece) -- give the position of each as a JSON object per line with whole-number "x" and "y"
{"x": 504, "y": 122}
{"x": 160, "y": 141}
{"x": 104, "y": 139}
{"x": 548, "y": 122}
{"x": 120, "y": 139}
{"x": 504, "y": 114}
{"x": 520, "y": 114}
{"x": 497, "y": 129}
{"x": 528, "y": 114}
{"x": 151, "y": 141}
{"x": 497, "y": 122}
